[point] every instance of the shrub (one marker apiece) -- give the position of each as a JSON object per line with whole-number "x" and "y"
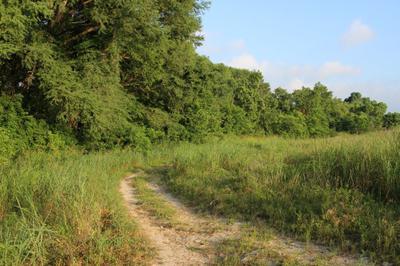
{"x": 21, "y": 131}
{"x": 290, "y": 125}
{"x": 7, "y": 146}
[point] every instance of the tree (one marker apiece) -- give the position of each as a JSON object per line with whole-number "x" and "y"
{"x": 364, "y": 109}
{"x": 391, "y": 120}
{"x": 124, "y": 73}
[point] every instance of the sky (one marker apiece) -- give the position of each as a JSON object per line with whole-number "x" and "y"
{"x": 351, "y": 45}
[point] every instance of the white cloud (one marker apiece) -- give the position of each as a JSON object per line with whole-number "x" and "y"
{"x": 336, "y": 68}
{"x": 340, "y": 78}
{"x": 386, "y": 91}
{"x": 296, "y": 84}
{"x": 214, "y": 45}
{"x": 358, "y": 33}
{"x": 294, "y": 76}
{"x": 247, "y": 61}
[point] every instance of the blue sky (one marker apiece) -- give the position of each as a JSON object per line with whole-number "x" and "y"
{"x": 348, "y": 45}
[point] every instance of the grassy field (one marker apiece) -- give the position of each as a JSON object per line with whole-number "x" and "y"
{"x": 65, "y": 209}
{"x": 343, "y": 191}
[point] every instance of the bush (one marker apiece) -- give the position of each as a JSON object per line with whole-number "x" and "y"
{"x": 21, "y": 131}
{"x": 391, "y": 120}
{"x": 7, "y": 146}
{"x": 290, "y": 125}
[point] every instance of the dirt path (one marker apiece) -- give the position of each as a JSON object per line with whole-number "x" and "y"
{"x": 193, "y": 242}
{"x": 189, "y": 244}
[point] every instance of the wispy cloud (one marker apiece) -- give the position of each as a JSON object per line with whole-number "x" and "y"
{"x": 339, "y": 74}
{"x": 358, "y": 33}
{"x": 336, "y": 68}
{"x": 340, "y": 78}
{"x": 296, "y": 84}
{"x": 215, "y": 45}
{"x": 293, "y": 76}
{"x": 247, "y": 61}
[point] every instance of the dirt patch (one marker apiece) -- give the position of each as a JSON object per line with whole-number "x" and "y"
{"x": 191, "y": 243}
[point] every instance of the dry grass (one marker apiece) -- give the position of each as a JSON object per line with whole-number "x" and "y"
{"x": 65, "y": 209}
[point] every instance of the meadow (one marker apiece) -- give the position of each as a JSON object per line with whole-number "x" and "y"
{"x": 342, "y": 192}
{"x": 63, "y": 207}
{"x": 91, "y": 90}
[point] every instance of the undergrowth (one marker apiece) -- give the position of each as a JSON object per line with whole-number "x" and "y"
{"x": 342, "y": 191}
{"x": 63, "y": 209}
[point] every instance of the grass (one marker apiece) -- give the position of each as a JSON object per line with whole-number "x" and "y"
{"x": 153, "y": 203}
{"x": 65, "y": 209}
{"x": 246, "y": 252}
{"x": 250, "y": 248}
{"x": 342, "y": 191}
{"x": 261, "y": 245}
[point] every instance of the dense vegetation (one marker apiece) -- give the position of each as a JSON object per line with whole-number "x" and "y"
{"x": 85, "y": 75}
{"x": 64, "y": 209}
{"x": 117, "y": 73}
{"x": 342, "y": 191}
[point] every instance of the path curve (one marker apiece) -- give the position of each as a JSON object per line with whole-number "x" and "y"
{"x": 176, "y": 246}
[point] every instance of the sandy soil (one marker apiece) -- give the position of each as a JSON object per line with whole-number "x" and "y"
{"x": 191, "y": 243}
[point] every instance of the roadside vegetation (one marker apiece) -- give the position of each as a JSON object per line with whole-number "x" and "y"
{"x": 62, "y": 206}
{"x": 90, "y": 89}
{"x": 64, "y": 209}
{"x": 342, "y": 192}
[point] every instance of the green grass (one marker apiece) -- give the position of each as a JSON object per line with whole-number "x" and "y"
{"x": 245, "y": 252}
{"x": 153, "y": 203}
{"x": 343, "y": 191}
{"x": 63, "y": 209}
{"x": 250, "y": 248}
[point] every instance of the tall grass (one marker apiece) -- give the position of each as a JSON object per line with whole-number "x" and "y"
{"x": 64, "y": 209}
{"x": 342, "y": 191}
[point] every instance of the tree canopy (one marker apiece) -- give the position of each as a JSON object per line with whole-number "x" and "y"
{"x": 126, "y": 72}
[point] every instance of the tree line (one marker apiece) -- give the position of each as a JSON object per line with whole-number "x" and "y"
{"x": 126, "y": 73}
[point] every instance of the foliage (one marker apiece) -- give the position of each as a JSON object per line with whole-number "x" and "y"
{"x": 342, "y": 191}
{"x": 7, "y": 146}
{"x": 108, "y": 74}
{"x": 61, "y": 211}
{"x": 20, "y": 131}
{"x": 125, "y": 73}
{"x": 391, "y": 120}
